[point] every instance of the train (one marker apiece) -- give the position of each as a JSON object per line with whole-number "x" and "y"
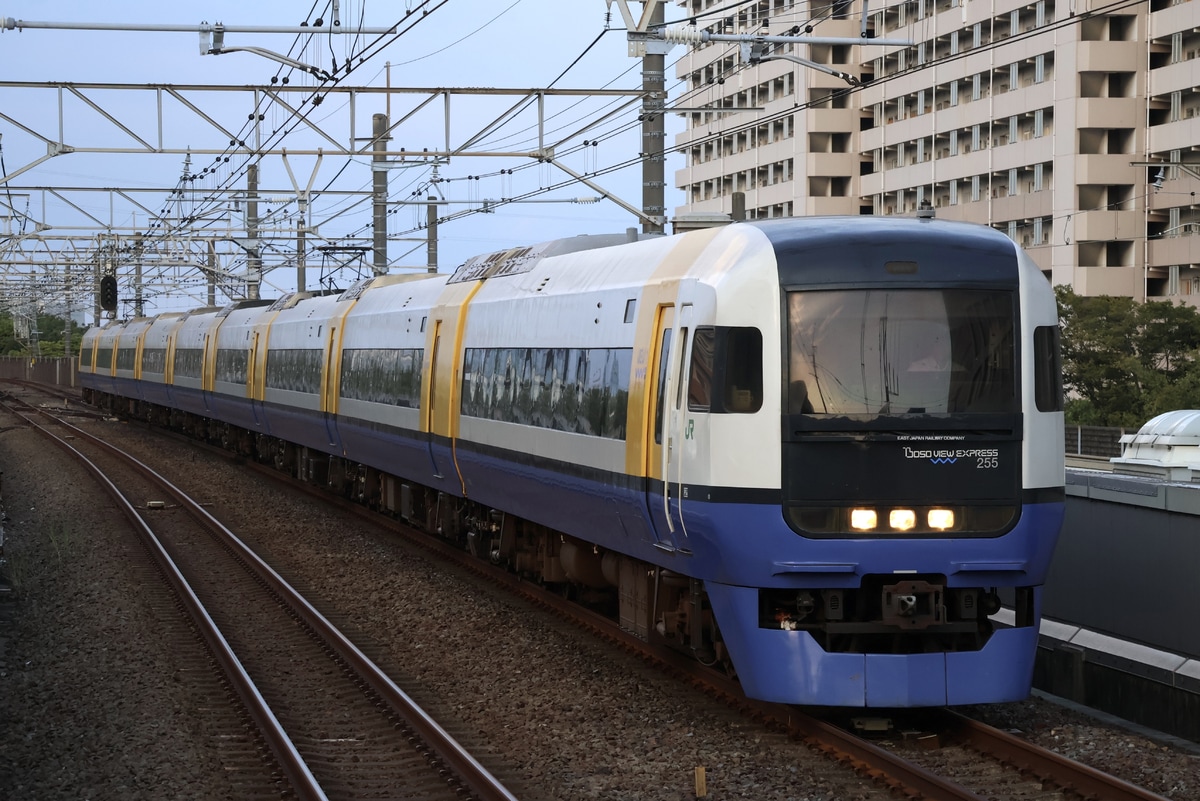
{"x": 823, "y": 453}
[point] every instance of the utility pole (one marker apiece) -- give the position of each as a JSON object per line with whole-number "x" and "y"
{"x": 654, "y": 129}
{"x": 137, "y": 275}
{"x": 212, "y": 272}
{"x": 67, "y": 336}
{"x": 253, "y": 247}
{"x": 431, "y": 225}
{"x": 379, "y": 186}
{"x": 301, "y": 278}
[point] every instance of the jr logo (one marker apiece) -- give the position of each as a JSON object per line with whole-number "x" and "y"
{"x": 687, "y": 432}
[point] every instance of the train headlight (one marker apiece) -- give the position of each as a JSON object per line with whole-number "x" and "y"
{"x": 902, "y": 519}
{"x": 863, "y": 519}
{"x": 941, "y": 519}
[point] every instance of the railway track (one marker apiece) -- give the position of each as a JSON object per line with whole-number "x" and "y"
{"x": 932, "y": 757}
{"x": 337, "y": 727}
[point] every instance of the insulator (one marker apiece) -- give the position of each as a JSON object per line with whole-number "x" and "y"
{"x": 685, "y": 34}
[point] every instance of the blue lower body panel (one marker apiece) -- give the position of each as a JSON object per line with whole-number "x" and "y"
{"x": 789, "y": 667}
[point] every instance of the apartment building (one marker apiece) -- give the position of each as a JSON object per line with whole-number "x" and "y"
{"x": 1071, "y": 125}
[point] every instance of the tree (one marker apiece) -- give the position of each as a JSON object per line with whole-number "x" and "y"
{"x": 51, "y": 337}
{"x": 1125, "y": 362}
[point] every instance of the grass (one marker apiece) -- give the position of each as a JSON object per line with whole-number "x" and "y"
{"x": 62, "y": 537}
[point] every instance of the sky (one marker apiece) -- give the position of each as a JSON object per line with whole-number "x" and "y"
{"x": 507, "y": 44}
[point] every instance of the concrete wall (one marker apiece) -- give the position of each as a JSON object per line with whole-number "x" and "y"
{"x": 1127, "y": 560}
{"x": 60, "y": 371}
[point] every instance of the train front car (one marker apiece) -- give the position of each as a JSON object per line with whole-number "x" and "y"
{"x": 921, "y": 470}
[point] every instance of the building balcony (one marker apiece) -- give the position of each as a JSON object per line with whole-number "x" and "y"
{"x": 1023, "y": 207}
{"x": 1173, "y": 250}
{"x": 982, "y": 12}
{"x": 823, "y": 80}
{"x": 1022, "y": 99}
{"x": 869, "y": 185}
{"x": 963, "y": 115}
{"x": 825, "y": 206}
{"x": 832, "y": 164}
{"x": 771, "y": 195}
{"x": 870, "y": 139}
{"x": 1120, "y": 281}
{"x": 961, "y": 166}
{"x": 1105, "y": 226}
{"x": 1179, "y": 135}
{"x": 1110, "y": 57}
{"x": 1172, "y": 78}
{"x": 921, "y": 173}
{"x": 1023, "y": 153}
{"x": 1106, "y": 168}
{"x": 1043, "y": 257}
{"x": 1109, "y": 112}
{"x": 1175, "y": 192}
{"x": 709, "y": 171}
{"x": 830, "y": 120}
{"x": 1172, "y": 19}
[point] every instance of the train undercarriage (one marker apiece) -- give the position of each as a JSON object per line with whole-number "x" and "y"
{"x": 648, "y": 601}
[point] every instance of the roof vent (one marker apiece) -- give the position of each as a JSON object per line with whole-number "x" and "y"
{"x": 1167, "y": 446}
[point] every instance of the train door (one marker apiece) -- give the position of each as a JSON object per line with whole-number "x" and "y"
{"x": 330, "y": 387}
{"x": 208, "y": 370}
{"x": 658, "y": 444}
{"x": 429, "y": 405}
{"x": 675, "y": 427}
{"x": 253, "y": 392}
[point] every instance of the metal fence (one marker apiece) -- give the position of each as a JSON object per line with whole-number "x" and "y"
{"x": 1094, "y": 440}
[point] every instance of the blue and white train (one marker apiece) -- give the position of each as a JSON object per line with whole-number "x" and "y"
{"x": 824, "y": 452}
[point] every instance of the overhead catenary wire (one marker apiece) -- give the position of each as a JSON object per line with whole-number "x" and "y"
{"x": 1057, "y": 24}
{"x": 616, "y": 131}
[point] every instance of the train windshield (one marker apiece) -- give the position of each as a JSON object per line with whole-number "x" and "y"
{"x": 901, "y": 352}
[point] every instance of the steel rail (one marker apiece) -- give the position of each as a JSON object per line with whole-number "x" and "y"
{"x": 470, "y": 773}
{"x": 295, "y": 769}
{"x": 1064, "y": 772}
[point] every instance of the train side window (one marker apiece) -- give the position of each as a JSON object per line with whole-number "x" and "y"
{"x": 743, "y": 373}
{"x": 683, "y": 346}
{"x": 1047, "y": 367}
{"x": 700, "y": 375}
{"x": 661, "y": 394}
